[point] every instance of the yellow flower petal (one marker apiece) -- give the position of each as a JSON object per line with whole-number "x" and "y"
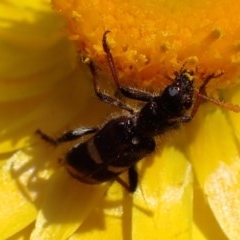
{"x": 108, "y": 220}
{"x": 205, "y": 225}
{"x": 167, "y": 190}
{"x": 222, "y": 189}
{"x": 26, "y": 43}
{"x": 235, "y": 97}
{"x": 10, "y": 10}
{"x": 16, "y": 210}
{"x": 66, "y": 205}
{"x": 199, "y": 235}
{"x": 23, "y": 234}
{"x": 21, "y": 120}
{"x": 216, "y": 161}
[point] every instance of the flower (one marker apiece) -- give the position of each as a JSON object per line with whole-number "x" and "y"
{"x": 189, "y": 188}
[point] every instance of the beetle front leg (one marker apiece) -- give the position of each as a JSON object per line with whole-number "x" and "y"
{"x": 67, "y": 136}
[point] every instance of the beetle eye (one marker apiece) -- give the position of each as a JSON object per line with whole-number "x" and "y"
{"x": 173, "y": 91}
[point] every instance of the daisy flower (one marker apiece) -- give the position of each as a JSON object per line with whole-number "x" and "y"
{"x": 189, "y": 187}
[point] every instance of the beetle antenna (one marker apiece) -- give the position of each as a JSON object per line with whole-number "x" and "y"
{"x": 226, "y": 105}
{"x": 201, "y": 95}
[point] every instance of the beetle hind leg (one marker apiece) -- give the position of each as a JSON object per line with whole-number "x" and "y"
{"x": 132, "y": 180}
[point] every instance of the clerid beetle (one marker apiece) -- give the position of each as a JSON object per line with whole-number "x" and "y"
{"x": 120, "y": 143}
